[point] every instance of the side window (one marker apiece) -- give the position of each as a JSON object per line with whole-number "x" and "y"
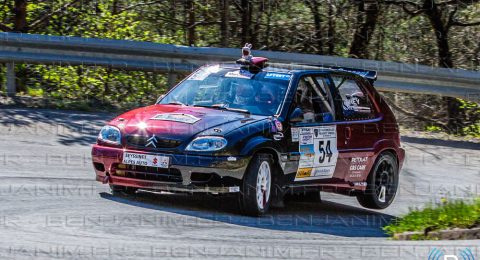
{"x": 354, "y": 100}
{"x": 313, "y": 100}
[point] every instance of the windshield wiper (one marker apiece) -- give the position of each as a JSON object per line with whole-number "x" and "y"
{"x": 223, "y": 107}
{"x": 176, "y": 103}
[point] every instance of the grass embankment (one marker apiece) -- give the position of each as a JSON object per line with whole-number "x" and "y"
{"x": 446, "y": 215}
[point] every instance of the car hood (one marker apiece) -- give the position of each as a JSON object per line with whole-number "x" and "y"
{"x": 181, "y": 122}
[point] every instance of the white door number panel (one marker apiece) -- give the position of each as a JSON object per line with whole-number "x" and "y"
{"x": 318, "y": 152}
{"x": 151, "y": 160}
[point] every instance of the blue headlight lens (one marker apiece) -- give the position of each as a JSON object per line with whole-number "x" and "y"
{"x": 207, "y": 144}
{"x": 110, "y": 134}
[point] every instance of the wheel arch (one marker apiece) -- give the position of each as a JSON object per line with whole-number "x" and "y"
{"x": 387, "y": 146}
{"x": 394, "y": 153}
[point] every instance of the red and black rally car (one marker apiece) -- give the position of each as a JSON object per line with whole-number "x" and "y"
{"x": 258, "y": 132}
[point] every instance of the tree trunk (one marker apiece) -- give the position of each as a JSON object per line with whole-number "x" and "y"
{"x": 254, "y": 40}
{"x": 20, "y": 11}
{"x": 366, "y": 21}
{"x": 434, "y": 15}
{"x": 331, "y": 29}
{"x": 224, "y": 24}
{"x": 246, "y": 19}
{"x": 115, "y": 7}
{"x": 190, "y": 13}
{"x": 317, "y": 20}
{"x": 441, "y": 33}
{"x": 269, "y": 26}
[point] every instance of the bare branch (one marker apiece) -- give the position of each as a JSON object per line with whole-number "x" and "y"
{"x": 414, "y": 115}
{"x": 458, "y": 23}
{"x": 403, "y": 3}
{"x": 451, "y": 18}
{"x": 417, "y": 8}
{"x": 238, "y": 6}
{"x": 45, "y": 18}
{"x": 5, "y": 28}
{"x": 140, "y": 4}
{"x": 448, "y": 2}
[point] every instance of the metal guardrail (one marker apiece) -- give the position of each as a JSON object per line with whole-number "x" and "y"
{"x": 147, "y": 56}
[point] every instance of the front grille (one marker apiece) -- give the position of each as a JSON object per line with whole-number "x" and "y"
{"x": 142, "y": 141}
{"x": 148, "y": 173}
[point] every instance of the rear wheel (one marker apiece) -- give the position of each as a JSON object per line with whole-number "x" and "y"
{"x": 382, "y": 183}
{"x": 255, "y": 195}
{"x": 117, "y": 189}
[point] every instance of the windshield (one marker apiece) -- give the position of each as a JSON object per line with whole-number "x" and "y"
{"x": 232, "y": 89}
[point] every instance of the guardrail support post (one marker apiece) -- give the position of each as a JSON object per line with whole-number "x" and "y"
{"x": 11, "y": 88}
{"x": 172, "y": 79}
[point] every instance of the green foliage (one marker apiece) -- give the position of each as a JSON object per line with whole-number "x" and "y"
{"x": 82, "y": 87}
{"x": 471, "y": 117}
{"x": 433, "y": 128}
{"x": 447, "y": 214}
{"x": 282, "y": 25}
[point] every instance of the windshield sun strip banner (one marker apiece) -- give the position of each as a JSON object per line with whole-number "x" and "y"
{"x": 275, "y": 75}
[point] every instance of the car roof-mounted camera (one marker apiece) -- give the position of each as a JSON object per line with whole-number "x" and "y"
{"x": 250, "y": 63}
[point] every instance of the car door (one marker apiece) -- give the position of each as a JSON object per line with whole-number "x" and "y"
{"x": 315, "y": 140}
{"x": 357, "y": 119}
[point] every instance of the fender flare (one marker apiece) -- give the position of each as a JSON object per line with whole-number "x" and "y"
{"x": 258, "y": 143}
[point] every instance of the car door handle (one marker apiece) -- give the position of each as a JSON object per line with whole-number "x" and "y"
{"x": 348, "y": 133}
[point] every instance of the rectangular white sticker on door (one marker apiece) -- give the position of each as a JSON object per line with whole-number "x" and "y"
{"x": 294, "y": 134}
{"x": 318, "y": 152}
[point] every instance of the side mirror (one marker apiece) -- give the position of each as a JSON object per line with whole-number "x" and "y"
{"x": 296, "y": 115}
{"x": 160, "y": 98}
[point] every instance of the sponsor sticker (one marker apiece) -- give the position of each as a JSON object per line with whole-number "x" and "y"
{"x": 294, "y": 134}
{"x": 318, "y": 152}
{"x": 234, "y": 189}
{"x": 303, "y": 173}
{"x": 176, "y": 117}
{"x": 146, "y": 160}
{"x": 274, "y": 75}
{"x": 243, "y": 74}
{"x": 357, "y": 166}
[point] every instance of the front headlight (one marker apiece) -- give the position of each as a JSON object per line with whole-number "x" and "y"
{"x": 207, "y": 144}
{"x": 110, "y": 134}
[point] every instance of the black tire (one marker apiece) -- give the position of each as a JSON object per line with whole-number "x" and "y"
{"x": 252, "y": 181}
{"x": 382, "y": 183}
{"x": 117, "y": 189}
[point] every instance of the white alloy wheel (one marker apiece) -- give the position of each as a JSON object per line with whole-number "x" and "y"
{"x": 264, "y": 178}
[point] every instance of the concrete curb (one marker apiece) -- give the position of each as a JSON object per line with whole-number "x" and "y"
{"x": 450, "y": 234}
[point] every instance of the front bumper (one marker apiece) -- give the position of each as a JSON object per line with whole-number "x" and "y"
{"x": 186, "y": 173}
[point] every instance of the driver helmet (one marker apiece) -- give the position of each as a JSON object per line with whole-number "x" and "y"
{"x": 266, "y": 94}
{"x": 243, "y": 94}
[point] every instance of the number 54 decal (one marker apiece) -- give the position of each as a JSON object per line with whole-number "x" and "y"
{"x": 318, "y": 152}
{"x": 327, "y": 152}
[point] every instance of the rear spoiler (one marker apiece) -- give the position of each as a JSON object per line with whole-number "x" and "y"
{"x": 370, "y": 75}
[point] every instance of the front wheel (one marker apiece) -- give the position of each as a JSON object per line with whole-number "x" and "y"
{"x": 382, "y": 183}
{"x": 257, "y": 184}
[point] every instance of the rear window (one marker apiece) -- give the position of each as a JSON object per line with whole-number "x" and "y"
{"x": 354, "y": 100}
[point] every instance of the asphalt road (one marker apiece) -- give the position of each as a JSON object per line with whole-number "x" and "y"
{"x": 51, "y": 207}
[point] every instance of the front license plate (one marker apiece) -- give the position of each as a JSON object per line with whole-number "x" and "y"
{"x": 151, "y": 160}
